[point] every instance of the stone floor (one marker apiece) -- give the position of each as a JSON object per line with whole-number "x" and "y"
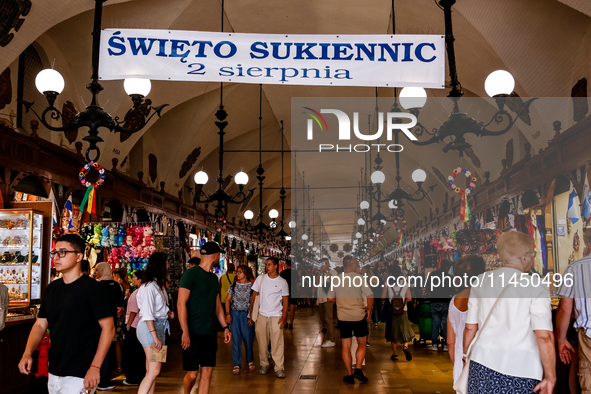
{"x": 428, "y": 372}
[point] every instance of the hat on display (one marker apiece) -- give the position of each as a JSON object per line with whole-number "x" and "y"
{"x": 211, "y": 248}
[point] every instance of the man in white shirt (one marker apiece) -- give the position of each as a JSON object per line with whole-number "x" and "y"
{"x": 353, "y": 316}
{"x": 575, "y": 293}
{"x": 326, "y": 308}
{"x": 273, "y": 305}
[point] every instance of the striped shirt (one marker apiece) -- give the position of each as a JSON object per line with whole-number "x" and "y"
{"x": 579, "y": 289}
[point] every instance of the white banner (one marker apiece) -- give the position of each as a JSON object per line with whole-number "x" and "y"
{"x": 343, "y": 60}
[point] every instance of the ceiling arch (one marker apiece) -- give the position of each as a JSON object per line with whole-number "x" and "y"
{"x": 546, "y": 45}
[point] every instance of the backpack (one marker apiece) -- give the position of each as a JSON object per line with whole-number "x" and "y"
{"x": 397, "y": 304}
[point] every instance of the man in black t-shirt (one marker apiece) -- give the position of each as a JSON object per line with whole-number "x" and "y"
{"x": 288, "y": 274}
{"x": 77, "y": 312}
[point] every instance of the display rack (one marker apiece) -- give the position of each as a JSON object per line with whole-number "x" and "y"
{"x": 21, "y": 240}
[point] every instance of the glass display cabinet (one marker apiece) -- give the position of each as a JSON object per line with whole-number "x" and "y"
{"x": 21, "y": 232}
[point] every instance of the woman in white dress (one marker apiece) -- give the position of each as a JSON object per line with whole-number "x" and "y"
{"x": 467, "y": 266}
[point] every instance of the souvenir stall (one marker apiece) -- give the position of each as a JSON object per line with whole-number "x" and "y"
{"x": 568, "y": 223}
{"x": 121, "y": 245}
{"x": 24, "y": 269}
{"x": 171, "y": 246}
{"x": 21, "y": 248}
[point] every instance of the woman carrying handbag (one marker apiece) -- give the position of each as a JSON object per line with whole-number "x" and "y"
{"x": 398, "y": 329}
{"x": 508, "y": 340}
{"x": 152, "y": 301}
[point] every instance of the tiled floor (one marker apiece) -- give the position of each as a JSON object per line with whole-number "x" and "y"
{"x": 428, "y": 372}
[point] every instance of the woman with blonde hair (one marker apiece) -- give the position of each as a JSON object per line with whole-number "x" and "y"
{"x": 509, "y": 340}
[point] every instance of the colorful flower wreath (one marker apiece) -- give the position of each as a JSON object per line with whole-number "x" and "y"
{"x": 90, "y": 195}
{"x": 398, "y": 218}
{"x": 464, "y": 207}
{"x": 84, "y": 172}
{"x": 220, "y": 224}
{"x": 468, "y": 174}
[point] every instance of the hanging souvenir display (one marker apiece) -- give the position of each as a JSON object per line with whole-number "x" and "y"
{"x": 464, "y": 207}
{"x": 90, "y": 195}
{"x": 400, "y": 219}
{"x": 122, "y": 246}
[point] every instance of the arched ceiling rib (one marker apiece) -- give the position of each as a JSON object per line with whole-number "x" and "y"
{"x": 546, "y": 45}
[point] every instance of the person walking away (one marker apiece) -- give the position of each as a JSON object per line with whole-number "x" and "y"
{"x": 325, "y": 308}
{"x": 237, "y": 308}
{"x": 293, "y": 282}
{"x": 77, "y": 311}
{"x": 440, "y": 297}
{"x": 272, "y": 316}
{"x": 377, "y": 296}
{"x": 200, "y": 308}
{"x": 115, "y": 292}
{"x": 151, "y": 330}
{"x": 514, "y": 350}
{"x": 120, "y": 276}
{"x": 134, "y": 358}
{"x": 467, "y": 267}
{"x": 353, "y": 317}
{"x": 226, "y": 281}
{"x": 193, "y": 262}
{"x": 574, "y": 296}
{"x": 398, "y": 331}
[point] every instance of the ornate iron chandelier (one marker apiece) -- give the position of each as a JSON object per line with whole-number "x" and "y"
{"x": 50, "y": 83}
{"x": 499, "y": 85}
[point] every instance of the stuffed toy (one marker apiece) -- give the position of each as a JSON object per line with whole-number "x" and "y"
{"x": 86, "y": 233}
{"x": 43, "y": 353}
{"x": 435, "y": 243}
{"x": 105, "y": 237}
{"x": 148, "y": 238}
{"x": 139, "y": 234}
{"x": 445, "y": 244}
{"x": 129, "y": 237}
{"x": 121, "y": 234}
{"x": 96, "y": 239}
{"x": 113, "y": 235}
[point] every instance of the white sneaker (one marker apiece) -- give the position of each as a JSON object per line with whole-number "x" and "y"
{"x": 445, "y": 348}
{"x": 434, "y": 348}
{"x": 328, "y": 344}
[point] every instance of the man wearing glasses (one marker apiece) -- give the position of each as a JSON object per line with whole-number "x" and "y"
{"x": 77, "y": 312}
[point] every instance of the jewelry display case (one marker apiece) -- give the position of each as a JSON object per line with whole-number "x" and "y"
{"x": 21, "y": 233}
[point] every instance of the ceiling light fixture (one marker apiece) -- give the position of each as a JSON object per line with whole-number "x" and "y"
{"x": 50, "y": 83}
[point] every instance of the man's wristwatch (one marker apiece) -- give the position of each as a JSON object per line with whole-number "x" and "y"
{"x": 227, "y": 328}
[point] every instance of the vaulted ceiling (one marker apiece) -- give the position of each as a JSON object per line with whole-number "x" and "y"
{"x": 545, "y": 44}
